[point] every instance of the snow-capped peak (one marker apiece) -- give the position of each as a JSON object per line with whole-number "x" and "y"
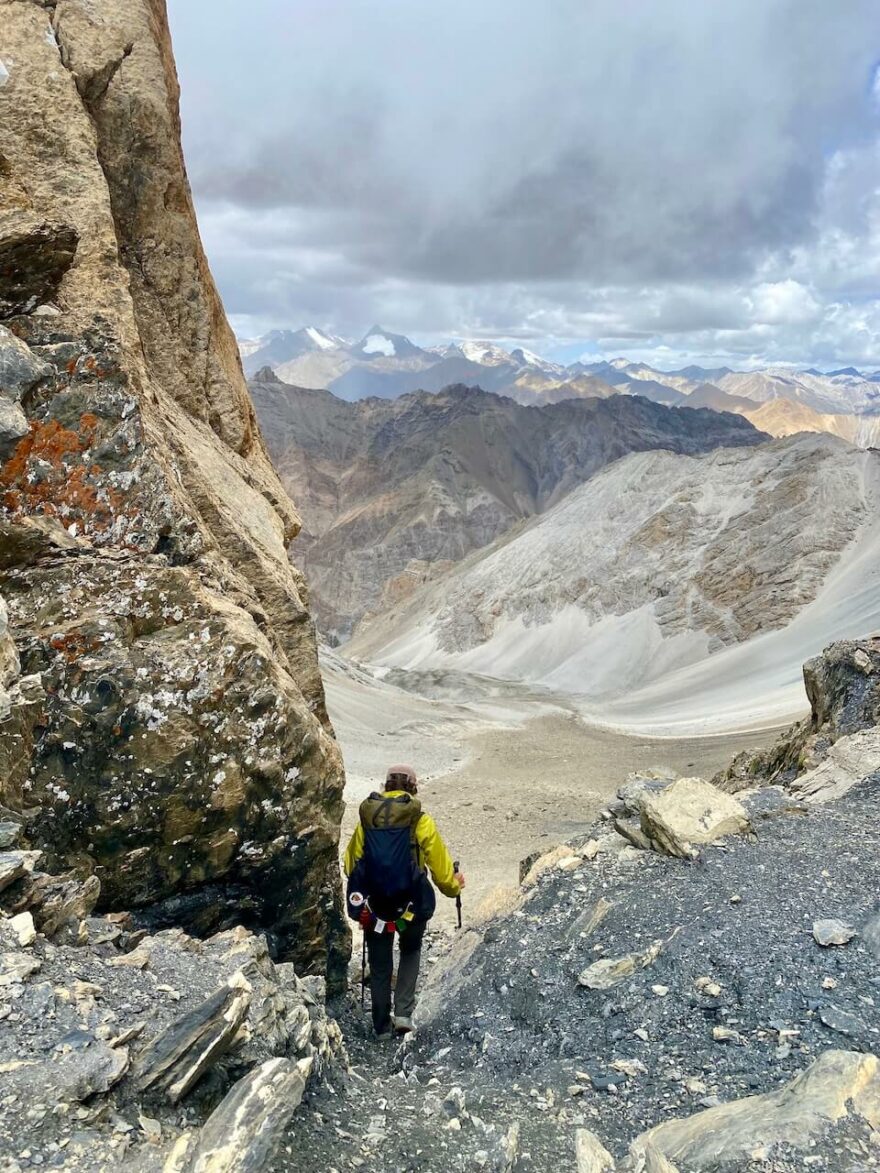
{"x": 485, "y": 353}
{"x": 320, "y": 340}
{"x": 530, "y": 358}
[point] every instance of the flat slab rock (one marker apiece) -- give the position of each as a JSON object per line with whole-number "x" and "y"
{"x": 243, "y": 1133}
{"x": 177, "y": 1058}
{"x": 837, "y": 1085}
{"x": 15, "y": 864}
{"x": 610, "y": 971}
{"x": 832, "y": 931}
{"x": 79, "y": 1068}
{"x": 849, "y": 760}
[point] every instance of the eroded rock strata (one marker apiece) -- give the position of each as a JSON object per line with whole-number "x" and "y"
{"x": 395, "y": 492}
{"x": 180, "y": 750}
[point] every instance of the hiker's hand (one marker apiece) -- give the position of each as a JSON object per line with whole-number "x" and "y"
{"x": 461, "y": 880}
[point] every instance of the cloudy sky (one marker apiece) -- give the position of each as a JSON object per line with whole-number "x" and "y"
{"x": 685, "y": 179}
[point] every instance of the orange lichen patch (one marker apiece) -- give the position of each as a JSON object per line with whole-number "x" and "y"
{"x": 73, "y": 645}
{"x": 69, "y": 488}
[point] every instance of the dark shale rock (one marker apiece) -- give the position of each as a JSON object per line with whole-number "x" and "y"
{"x": 177, "y": 1059}
{"x": 14, "y": 865}
{"x": 79, "y": 1068}
{"x": 34, "y": 257}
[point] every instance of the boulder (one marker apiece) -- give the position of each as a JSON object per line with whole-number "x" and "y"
{"x": 689, "y": 812}
{"x": 838, "y": 1085}
{"x": 184, "y": 757}
{"x": 639, "y": 784}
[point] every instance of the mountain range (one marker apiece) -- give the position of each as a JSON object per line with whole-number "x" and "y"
{"x": 778, "y": 400}
{"x": 393, "y": 492}
{"x": 674, "y": 590}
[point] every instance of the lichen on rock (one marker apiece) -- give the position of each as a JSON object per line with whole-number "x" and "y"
{"x": 167, "y": 731}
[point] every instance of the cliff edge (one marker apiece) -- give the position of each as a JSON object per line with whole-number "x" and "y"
{"x": 182, "y": 753}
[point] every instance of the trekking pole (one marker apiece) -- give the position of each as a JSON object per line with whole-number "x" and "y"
{"x": 363, "y": 970}
{"x": 457, "y": 866}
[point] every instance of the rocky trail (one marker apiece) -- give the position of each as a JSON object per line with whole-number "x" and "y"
{"x": 693, "y": 984}
{"x": 739, "y": 1000}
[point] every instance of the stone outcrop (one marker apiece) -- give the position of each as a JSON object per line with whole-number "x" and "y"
{"x": 837, "y": 745}
{"x": 181, "y": 751}
{"x": 837, "y": 1085}
{"x": 848, "y": 761}
{"x": 165, "y": 1046}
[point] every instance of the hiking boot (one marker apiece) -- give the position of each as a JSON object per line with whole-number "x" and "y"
{"x": 403, "y": 1024}
{"x": 384, "y": 1036}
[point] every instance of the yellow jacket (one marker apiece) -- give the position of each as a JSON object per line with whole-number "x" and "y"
{"x": 433, "y": 852}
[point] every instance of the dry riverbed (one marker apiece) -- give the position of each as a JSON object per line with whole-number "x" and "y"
{"x": 504, "y": 771}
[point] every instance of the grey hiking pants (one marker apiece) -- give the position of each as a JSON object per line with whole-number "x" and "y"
{"x": 380, "y": 950}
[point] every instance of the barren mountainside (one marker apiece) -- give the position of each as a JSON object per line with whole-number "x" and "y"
{"x": 392, "y": 491}
{"x": 655, "y": 566}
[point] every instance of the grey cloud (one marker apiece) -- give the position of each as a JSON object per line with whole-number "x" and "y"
{"x": 502, "y": 164}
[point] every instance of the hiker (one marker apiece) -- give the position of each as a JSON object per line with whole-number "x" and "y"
{"x": 389, "y": 891}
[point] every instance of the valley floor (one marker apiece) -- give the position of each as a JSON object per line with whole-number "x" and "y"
{"x": 505, "y": 771}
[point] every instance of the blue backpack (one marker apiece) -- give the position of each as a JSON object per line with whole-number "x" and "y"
{"x": 387, "y": 883}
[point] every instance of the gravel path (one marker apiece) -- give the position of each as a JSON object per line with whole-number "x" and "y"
{"x": 526, "y": 1045}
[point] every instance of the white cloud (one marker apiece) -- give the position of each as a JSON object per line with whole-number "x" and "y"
{"x": 783, "y": 303}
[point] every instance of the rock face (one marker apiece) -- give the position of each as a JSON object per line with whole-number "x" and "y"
{"x": 394, "y": 493}
{"x": 837, "y": 744}
{"x": 182, "y": 752}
